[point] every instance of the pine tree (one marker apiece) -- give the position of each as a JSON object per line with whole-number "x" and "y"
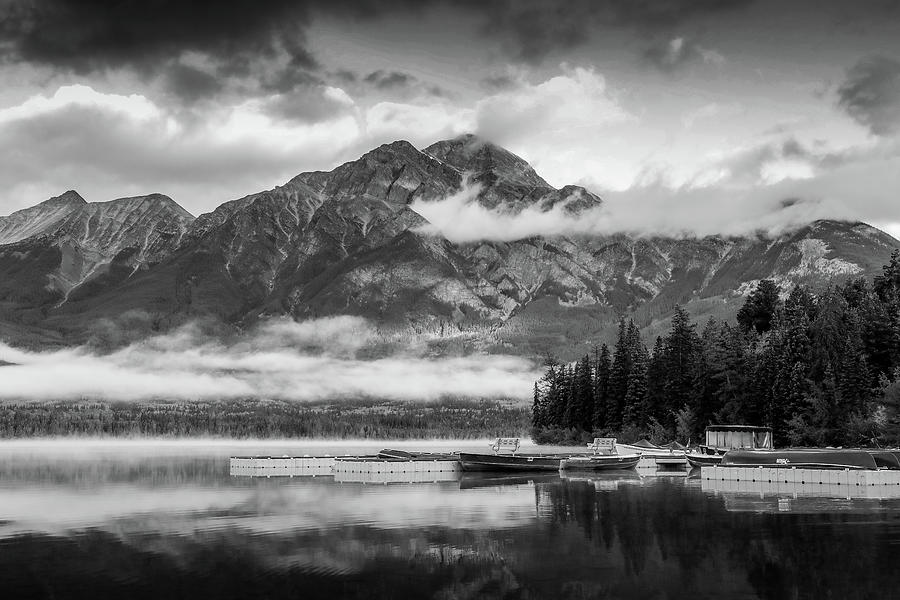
{"x": 537, "y": 410}
{"x": 656, "y": 382}
{"x": 618, "y": 378}
{"x": 635, "y": 410}
{"x": 602, "y": 368}
{"x": 759, "y": 309}
{"x": 682, "y": 347}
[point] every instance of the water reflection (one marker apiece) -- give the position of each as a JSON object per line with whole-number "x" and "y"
{"x": 145, "y": 525}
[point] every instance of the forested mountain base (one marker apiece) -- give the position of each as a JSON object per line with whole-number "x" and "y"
{"x": 241, "y": 419}
{"x": 819, "y": 368}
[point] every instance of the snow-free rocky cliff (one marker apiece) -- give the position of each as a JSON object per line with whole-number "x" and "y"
{"x": 348, "y": 242}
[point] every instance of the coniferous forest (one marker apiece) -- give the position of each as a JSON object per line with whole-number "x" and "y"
{"x": 820, "y": 368}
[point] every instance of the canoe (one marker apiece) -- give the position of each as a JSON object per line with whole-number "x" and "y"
{"x": 805, "y": 458}
{"x": 510, "y": 462}
{"x": 601, "y": 462}
{"x": 697, "y": 459}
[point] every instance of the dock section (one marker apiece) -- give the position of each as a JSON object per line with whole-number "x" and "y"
{"x": 794, "y": 475}
{"x": 285, "y": 466}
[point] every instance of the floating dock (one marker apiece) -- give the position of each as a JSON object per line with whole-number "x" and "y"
{"x": 780, "y": 488}
{"x": 285, "y": 466}
{"x": 346, "y": 467}
{"x": 369, "y": 465}
{"x": 794, "y": 475}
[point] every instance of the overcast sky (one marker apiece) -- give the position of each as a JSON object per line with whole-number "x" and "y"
{"x": 723, "y": 108}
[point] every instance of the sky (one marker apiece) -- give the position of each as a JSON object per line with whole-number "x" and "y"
{"x": 723, "y": 112}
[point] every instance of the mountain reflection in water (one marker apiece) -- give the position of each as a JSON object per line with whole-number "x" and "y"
{"x": 139, "y": 524}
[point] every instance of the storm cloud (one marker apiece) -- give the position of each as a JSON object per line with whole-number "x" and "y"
{"x": 871, "y": 94}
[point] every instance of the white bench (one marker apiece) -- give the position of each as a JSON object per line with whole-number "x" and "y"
{"x": 510, "y": 445}
{"x": 603, "y": 446}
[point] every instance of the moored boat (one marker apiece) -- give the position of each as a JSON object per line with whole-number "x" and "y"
{"x": 724, "y": 438}
{"x": 699, "y": 459}
{"x": 601, "y": 462}
{"x": 802, "y": 458}
{"x": 510, "y": 462}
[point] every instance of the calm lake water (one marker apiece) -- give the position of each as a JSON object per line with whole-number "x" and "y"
{"x": 135, "y": 520}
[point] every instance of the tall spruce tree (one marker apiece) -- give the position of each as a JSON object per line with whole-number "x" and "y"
{"x": 602, "y": 367}
{"x": 618, "y": 377}
{"x": 759, "y": 309}
{"x": 682, "y": 349}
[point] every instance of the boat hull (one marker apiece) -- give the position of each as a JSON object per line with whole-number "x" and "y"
{"x": 612, "y": 462}
{"x": 806, "y": 458}
{"x": 519, "y": 462}
{"x": 704, "y": 460}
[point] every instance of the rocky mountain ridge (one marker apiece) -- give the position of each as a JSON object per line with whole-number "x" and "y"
{"x": 348, "y": 242}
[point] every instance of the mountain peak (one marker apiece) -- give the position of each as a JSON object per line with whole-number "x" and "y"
{"x": 468, "y": 152}
{"x": 150, "y": 202}
{"x": 39, "y": 219}
{"x": 68, "y": 197}
{"x": 503, "y": 175}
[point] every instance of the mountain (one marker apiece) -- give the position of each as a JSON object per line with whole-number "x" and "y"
{"x": 348, "y": 242}
{"x": 66, "y": 248}
{"x": 43, "y": 217}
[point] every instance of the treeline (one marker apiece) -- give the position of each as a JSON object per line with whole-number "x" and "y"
{"x": 819, "y": 368}
{"x": 241, "y": 419}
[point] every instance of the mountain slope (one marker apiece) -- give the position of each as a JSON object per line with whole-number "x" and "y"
{"x": 38, "y": 219}
{"x": 348, "y": 242}
{"x": 77, "y": 248}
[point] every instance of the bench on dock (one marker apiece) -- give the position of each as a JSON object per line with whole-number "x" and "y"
{"x": 603, "y": 446}
{"x": 502, "y": 445}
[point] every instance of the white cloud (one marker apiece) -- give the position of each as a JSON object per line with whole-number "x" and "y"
{"x": 134, "y": 106}
{"x": 768, "y": 188}
{"x": 461, "y": 218}
{"x": 305, "y": 361}
{"x": 107, "y": 146}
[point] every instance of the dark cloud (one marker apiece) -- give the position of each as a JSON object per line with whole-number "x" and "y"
{"x": 498, "y": 83}
{"x": 345, "y": 76}
{"x": 387, "y": 80}
{"x": 871, "y": 94}
{"x": 288, "y": 79}
{"x": 89, "y": 35}
{"x": 670, "y": 55}
{"x": 86, "y": 35}
{"x": 535, "y": 29}
{"x": 92, "y": 35}
{"x": 191, "y": 84}
{"x": 305, "y": 105}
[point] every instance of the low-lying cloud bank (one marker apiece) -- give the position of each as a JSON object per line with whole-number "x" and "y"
{"x": 833, "y": 186}
{"x": 308, "y": 361}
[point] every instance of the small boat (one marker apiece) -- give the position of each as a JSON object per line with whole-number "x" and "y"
{"x": 671, "y": 461}
{"x": 510, "y": 462}
{"x": 392, "y": 454}
{"x": 723, "y": 438}
{"x": 699, "y": 459}
{"x": 601, "y": 462}
{"x": 804, "y": 458}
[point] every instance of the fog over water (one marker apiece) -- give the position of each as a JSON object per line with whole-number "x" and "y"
{"x": 306, "y": 361}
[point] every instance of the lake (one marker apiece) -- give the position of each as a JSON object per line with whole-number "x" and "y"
{"x": 133, "y": 520}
